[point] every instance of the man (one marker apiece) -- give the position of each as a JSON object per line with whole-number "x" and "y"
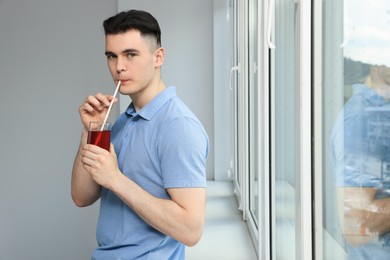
{"x": 151, "y": 183}
{"x": 361, "y": 155}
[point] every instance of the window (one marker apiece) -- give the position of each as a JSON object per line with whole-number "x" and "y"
{"x": 271, "y": 124}
{"x": 254, "y": 112}
{"x": 352, "y": 68}
{"x": 235, "y": 86}
{"x": 285, "y": 131}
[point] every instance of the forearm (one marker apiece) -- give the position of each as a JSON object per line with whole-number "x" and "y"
{"x": 167, "y": 216}
{"x": 85, "y": 191}
{"x": 363, "y": 225}
{"x": 363, "y": 217}
{"x": 377, "y": 216}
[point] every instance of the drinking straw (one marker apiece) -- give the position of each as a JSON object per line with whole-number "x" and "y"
{"x": 109, "y": 107}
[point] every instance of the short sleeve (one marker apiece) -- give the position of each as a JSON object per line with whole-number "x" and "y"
{"x": 183, "y": 150}
{"x": 358, "y": 160}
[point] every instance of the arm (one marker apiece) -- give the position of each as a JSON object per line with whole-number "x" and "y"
{"x": 181, "y": 217}
{"x": 84, "y": 190}
{"x": 362, "y": 216}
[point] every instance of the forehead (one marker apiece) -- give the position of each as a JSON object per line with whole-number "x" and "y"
{"x": 129, "y": 40}
{"x": 386, "y": 75}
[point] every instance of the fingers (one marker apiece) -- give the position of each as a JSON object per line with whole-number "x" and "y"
{"x": 94, "y": 108}
{"x": 90, "y": 154}
{"x": 98, "y": 102}
{"x": 87, "y": 157}
{"x": 90, "y": 150}
{"x": 105, "y": 100}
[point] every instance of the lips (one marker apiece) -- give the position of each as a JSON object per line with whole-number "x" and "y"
{"x": 123, "y": 81}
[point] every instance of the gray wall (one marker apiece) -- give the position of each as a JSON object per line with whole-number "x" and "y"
{"x": 51, "y": 57}
{"x": 187, "y": 36}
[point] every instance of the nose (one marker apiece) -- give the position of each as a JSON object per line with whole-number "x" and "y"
{"x": 120, "y": 66}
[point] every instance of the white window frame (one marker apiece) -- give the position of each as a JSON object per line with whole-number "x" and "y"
{"x": 262, "y": 236}
{"x": 305, "y": 207}
{"x": 304, "y": 239}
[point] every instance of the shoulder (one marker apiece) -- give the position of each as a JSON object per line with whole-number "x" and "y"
{"x": 180, "y": 128}
{"x": 176, "y": 107}
{"x": 177, "y": 115}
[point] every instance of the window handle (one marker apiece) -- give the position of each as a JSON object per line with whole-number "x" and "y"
{"x": 271, "y": 4}
{"x": 232, "y": 70}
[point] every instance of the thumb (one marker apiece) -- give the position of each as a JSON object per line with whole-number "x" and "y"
{"x": 112, "y": 149}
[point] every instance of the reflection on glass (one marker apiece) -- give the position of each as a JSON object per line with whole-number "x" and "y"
{"x": 359, "y": 151}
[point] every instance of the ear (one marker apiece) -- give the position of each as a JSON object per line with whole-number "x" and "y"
{"x": 159, "y": 56}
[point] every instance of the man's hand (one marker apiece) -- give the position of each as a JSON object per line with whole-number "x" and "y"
{"x": 101, "y": 165}
{"x": 95, "y": 108}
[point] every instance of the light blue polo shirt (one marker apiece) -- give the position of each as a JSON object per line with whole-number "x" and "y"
{"x": 162, "y": 146}
{"x": 360, "y": 153}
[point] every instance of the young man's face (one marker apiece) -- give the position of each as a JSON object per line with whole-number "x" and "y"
{"x": 132, "y": 59}
{"x": 385, "y": 74}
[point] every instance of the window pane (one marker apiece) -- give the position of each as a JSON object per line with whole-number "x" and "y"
{"x": 286, "y": 127}
{"x": 234, "y": 85}
{"x": 356, "y": 136}
{"x": 253, "y": 110}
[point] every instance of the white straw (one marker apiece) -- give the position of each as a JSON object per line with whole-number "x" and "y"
{"x": 109, "y": 108}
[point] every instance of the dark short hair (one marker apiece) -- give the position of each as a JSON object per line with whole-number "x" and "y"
{"x": 139, "y": 20}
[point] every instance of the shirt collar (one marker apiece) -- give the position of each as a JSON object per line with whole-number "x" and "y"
{"x": 149, "y": 110}
{"x": 371, "y": 96}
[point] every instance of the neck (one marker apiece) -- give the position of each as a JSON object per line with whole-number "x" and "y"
{"x": 375, "y": 82}
{"x": 379, "y": 86}
{"x": 143, "y": 97}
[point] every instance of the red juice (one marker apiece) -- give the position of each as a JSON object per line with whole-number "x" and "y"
{"x": 100, "y": 138}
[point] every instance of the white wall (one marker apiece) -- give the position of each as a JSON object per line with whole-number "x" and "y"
{"x": 51, "y": 57}
{"x": 187, "y": 36}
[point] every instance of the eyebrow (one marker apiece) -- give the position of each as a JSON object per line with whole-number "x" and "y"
{"x": 109, "y": 53}
{"x": 130, "y": 51}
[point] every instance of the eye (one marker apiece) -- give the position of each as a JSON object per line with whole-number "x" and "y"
{"x": 110, "y": 56}
{"x": 131, "y": 55}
